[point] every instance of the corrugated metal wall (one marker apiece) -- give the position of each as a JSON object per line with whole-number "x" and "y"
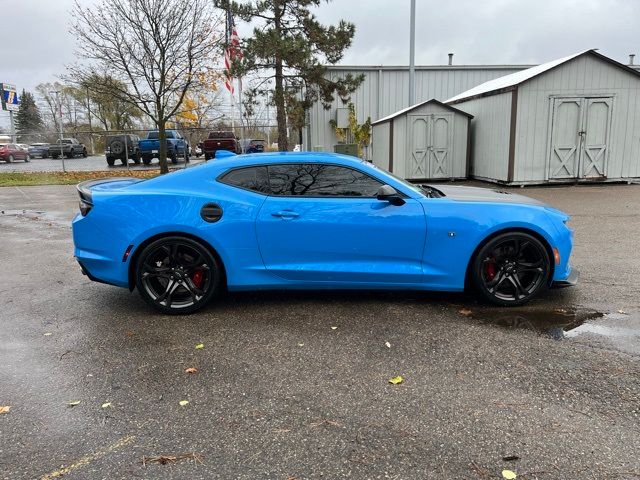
{"x": 490, "y": 129}
{"x": 584, "y": 76}
{"x": 384, "y": 91}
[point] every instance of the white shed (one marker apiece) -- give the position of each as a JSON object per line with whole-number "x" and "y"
{"x": 570, "y": 120}
{"x": 429, "y": 140}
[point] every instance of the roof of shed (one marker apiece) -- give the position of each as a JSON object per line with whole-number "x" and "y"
{"x": 508, "y": 82}
{"x": 418, "y": 105}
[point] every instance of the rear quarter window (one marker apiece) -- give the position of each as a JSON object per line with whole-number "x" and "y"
{"x": 254, "y": 179}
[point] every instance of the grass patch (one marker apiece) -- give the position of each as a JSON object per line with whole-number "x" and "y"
{"x": 19, "y": 179}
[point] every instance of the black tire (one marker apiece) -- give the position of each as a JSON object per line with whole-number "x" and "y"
{"x": 27, "y": 159}
{"x": 511, "y": 269}
{"x": 54, "y": 156}
{"x": 136, "y": 158}
{"x": 174, "y": 157}
{"x": 167, "y": 275}
{"x": 10, "y": 159}
{"x": 69, "y": 155}
{"x": 84, "y": 153}
{"x": 111, "y": 161}
{"x": 146, "y": 159}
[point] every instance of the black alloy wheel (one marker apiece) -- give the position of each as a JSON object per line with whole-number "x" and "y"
{"x": 177, "y": 275}
{"x": 511, "y": 269}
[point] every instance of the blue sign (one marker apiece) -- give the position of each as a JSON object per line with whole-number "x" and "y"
{"x": 10, "y": 99}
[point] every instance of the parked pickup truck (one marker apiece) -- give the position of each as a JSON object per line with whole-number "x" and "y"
{"x": 220, "y": 141}
{"x": 176, "y": 147}
{"x": 69, "y": 147}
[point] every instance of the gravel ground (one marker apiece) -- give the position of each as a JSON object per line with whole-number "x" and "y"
{"x": 280, "y": 394}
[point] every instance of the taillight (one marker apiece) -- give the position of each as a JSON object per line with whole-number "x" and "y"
{"x": 85, "y": 207}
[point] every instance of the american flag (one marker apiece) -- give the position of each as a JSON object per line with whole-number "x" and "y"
{"x": 231, "y": 52}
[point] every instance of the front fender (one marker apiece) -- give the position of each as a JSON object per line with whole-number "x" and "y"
{"x": 456, "y": 229}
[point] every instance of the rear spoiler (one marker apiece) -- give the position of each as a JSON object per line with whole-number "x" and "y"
{"x": 84, "y": 188}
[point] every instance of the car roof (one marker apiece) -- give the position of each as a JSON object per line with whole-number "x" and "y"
{"x": 271, "y": 158}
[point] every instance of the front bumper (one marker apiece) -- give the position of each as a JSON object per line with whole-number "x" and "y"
{"x": 570, "y": 281}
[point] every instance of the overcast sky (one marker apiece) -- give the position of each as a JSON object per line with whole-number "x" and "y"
{"x": 36, "y": 43}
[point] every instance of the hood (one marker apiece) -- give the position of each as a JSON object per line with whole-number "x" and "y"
{"x": 477, "y": 194}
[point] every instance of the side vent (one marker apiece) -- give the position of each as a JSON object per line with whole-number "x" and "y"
{"x": 211, "y": 212}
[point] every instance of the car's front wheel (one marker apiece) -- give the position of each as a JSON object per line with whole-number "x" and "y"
{"x": 511, "y": 269}
{"x": 177, "y": 275}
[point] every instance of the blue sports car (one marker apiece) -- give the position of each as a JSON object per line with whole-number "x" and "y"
{"x": 313, "y": 221}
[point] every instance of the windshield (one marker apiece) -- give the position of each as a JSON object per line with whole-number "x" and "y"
{"x": 425, "y": 190}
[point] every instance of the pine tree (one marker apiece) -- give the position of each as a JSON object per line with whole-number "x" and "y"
{"x": 291, "y": 48}
{"x": 28, "y": 119}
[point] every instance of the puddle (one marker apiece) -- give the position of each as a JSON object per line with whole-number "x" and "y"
{"x": 622, "y": 329}
{"x": 555, "y": 322}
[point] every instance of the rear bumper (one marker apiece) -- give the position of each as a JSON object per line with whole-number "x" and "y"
{"x": 570, "y": 281}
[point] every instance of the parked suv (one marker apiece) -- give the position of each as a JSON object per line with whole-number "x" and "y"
{"x": 69, "y": 147}
{"x": 122, "y": 147}
{"x": 10, "y": 152}
{"x": 222, "y": 140}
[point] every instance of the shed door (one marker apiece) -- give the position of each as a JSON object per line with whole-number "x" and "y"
{"x": 595, "y": 137}
{"x": 579, "y": 138}
{"x": 440, "y": 149}
{"x": 419, "y": 142}
{"x": 430, "y": 139}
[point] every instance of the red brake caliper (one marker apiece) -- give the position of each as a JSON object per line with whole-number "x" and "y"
{"x": 490, "y": 270}
{"x": 197, "y": 278}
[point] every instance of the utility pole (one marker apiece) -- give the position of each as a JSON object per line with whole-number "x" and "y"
{"x": 57, "y": 93}
{"x": 93, "y": 150}
{"x": 412, "y": 55}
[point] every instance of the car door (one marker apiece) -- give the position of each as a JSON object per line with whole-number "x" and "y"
{"x": 323, "y": 223}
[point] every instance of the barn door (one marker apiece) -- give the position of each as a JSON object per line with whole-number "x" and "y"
{"x": 440, "y": 148}
{"x": 579, "y": 138}
{"x": 419, "y": 142}
{"x": 595, "y": 137}
{"x": 565, "y": 139}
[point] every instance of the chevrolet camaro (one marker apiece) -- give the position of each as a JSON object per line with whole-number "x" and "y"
{"x": 313, "y": 221}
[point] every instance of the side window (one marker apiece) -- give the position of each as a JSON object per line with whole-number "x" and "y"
{"x": 250, "y": 178}
{"x": 317, "y": 180}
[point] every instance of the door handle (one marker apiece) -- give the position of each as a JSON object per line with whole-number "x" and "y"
{"x": 285, "y": 214}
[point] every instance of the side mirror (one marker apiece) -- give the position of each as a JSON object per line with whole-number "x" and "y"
{"x": 387, "y": 193}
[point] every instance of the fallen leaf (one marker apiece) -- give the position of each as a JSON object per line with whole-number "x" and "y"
{"x": 387, "y": 344}
{"x": 510, "y": 458}
{"x": 508, "y": 474}
{"x": 191, "y": 370}
{"x": 165, "y": 459}
{"x": 200, "y": 346}
{"x": 5, "y": 409}
{"x": 184, "y": 402}
{"x": 464, "y": 311}
{"x": 48, "y": 334}
{"x": 301, "y": 344}
{"x": 106, "y": 405}
{"x": 396, "y": 380}
{"x": 74, "y": 403}
{"x": 129, "y": 333}
{"x": 333, "y": 328}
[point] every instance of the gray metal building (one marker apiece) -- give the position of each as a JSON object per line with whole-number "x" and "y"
{"x": 572, "y": 119}
{"x": 385, "y": 91}
{"x": 429, "y": 140}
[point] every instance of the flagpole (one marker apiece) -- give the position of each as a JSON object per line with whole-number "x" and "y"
{"x": 240, "y": 111}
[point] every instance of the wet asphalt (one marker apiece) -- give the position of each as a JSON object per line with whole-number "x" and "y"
{"x": 280, "y": 393}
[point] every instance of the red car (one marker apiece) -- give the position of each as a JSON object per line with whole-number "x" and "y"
{"x": 10, "y": 152}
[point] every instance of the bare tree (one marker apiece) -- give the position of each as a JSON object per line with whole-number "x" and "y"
{"x": 155, "y": 49}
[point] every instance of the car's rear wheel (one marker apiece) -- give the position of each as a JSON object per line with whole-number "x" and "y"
{"x": 10, "y": 159}
{"x": 177, "y": 275}
{"x": 511, "y": 269}
{"x": 146, "y": 159}
{"x": 111, "y": 161}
